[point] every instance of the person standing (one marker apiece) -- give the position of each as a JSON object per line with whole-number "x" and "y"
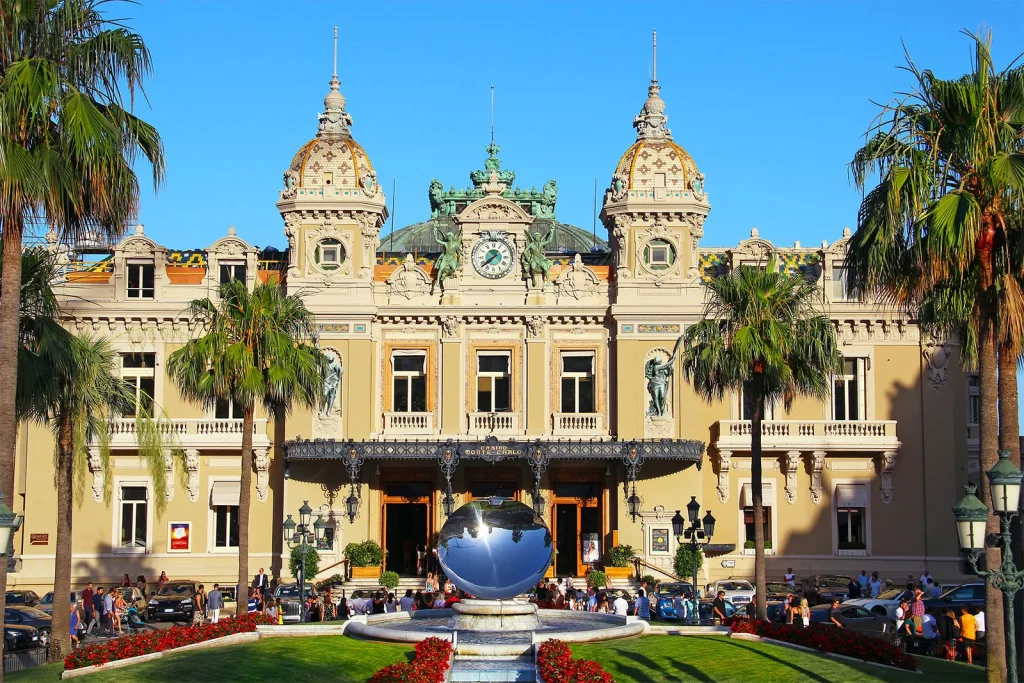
{"x": 140, "y": 583}
{"x": 718, "y": 607}
{"x": 805, "y": 612}
{"x": 875, "y": 585}
{"x": 833, "y": 614}
{"x": 253, "y": 600}
{"x": 97, "y": 612}
{"x": 73, "y": 624}
{"x": 917, "y": 610}
{"x": 643, "y": 605}
{"x": 787, "y": 609}
{"x": 406, "y": 603}
{"x": 968, "y": 632}
{"x": 790, "y": 577}
{"x": 126, "y": 581}
{"x": 108, "y": 610}
{"x": 87, "y": 596}
{"x": 592, "y": 599}
{"x": 199, "y": 606}
{"x": 261, "y": 583}
{"x": 864, "y": 580}
{"x": 925, "y": 578}
{"x": 934, "y": 590}
{"x": 215, "y": 603}
{"x": 853, "y": 589}
{"x": 979, "y": 624}
{"x": 119, "y": 607}
{"x": 161, "y": 581}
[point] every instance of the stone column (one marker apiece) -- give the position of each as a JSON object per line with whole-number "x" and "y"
{"x": 450, "y": 378}
{"x": 535, "y": 413}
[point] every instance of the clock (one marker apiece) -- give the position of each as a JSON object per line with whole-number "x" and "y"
{"x": 493, "y": 256}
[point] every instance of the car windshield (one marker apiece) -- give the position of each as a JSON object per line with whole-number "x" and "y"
{"x": 126, "y": 593}
{"x": 735, "y": 586}
{"x": 778, "y": 587}
{"x": 291, "y": 591}
{"x": 15, "y": 599}
{"x": 33, "y": 612}
{"x": 673, "y": 588}
{"x": 47, "y": 599}
{"x": 834, "y": 581}
{"x": 893, "y": 594}
{"x": 176, "y": 590}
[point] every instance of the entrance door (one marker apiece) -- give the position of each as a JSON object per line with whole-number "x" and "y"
{"x": 405, "y": 530}
{"x": 567, "y": 539}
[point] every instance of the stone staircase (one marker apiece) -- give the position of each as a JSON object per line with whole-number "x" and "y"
{"x": 506, "y": 669}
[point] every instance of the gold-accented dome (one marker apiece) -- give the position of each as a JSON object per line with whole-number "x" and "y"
{"x": 645, "y": 160}
{"x": 331, "y": 160}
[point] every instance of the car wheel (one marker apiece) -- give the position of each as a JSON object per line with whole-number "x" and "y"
{"x": 44, "y": 638}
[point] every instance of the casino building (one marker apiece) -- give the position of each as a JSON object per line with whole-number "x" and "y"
{"x": 528, "y": 369}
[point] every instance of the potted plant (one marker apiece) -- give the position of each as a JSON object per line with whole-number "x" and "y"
{"x": 365, "y": 559}
{"x": 389, "y": 580}
{"x": 597, "y": 579}
{"x": 619, "y": 562}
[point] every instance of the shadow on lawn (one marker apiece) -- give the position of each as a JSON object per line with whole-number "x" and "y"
{"x": 652, "y": 666}
{"x": 809, "y": 674}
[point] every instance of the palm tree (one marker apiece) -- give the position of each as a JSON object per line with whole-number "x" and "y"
{"x": 255, "y": 349}
{"x": 948, "y": 160}
{"x": 761, "y": 333}
{"x": 68, "y": 142}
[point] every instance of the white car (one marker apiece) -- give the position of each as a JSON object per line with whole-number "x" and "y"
{"x": 737, "y": 591}
{"x": 885, "y": 604}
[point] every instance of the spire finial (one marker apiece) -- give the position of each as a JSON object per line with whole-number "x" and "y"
{"x": 335, "y": 72}
{"x": 335, "y": 120}
{"x": 492, "y": 114}
{"x": 654, "y": 40}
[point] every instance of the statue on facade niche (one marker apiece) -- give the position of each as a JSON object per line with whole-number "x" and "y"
{"x": 535, "y": 264}
{"x": 450, "y": 260}
{"x": 658, "y": 376}
{"x": 332, "y": 381}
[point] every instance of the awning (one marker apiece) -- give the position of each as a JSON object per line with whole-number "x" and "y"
{"x": 852, "y": 495}
{"x": 767, "y": 495}
{"x": 225, "y": 493}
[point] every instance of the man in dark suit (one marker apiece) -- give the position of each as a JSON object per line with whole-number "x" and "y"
{"x": 261, "y": 583}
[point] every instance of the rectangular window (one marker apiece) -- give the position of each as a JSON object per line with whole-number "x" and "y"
{"x": 851, "y": 516}
{"x": 747, "y": 405}
{"x": 494, "y": 383}
{"x": 577, "y": 383}
{"x": 973, "y": 400}
{"x": 138, "y": 370}
{"x": 841, "y": 284}
{"x": 140, "y": 281}
{"x": 659, "y": 179}
{"x": 849, "y": 391}
{"x": 134, "y": 516}
{"x": 226, "y": 523}
{"x": 748, "y": 523}
{"x": 228, "y": 410}
{"x": 409, "y": 382}
{"x": 232, "y": 271}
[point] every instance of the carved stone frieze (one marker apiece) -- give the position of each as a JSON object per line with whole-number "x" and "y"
{"x": 450, "y": 326}
{"x": 817, "y": 465}
{"x": 408, "y": 281}
{"x": 192, "y": 470}
{"x": 724, "y": 463}
{"x": 936, "y": 355}
{"x": 791, "y": 464}
{"x": 169, "y": 476}
{"x": 95, "y": 463}
{"x": 535, "y": 326}
{"x": 261, "y": 460}
{"x": 887, "y": 463}
{"x": 578, "y": 282}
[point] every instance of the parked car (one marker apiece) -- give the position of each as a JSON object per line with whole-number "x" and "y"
{"x": 29, "y": 598}
{"x": 134, "y": 596}
{"x": 175, "y": 600}
{"x": 290, "y": 600}
{"x": 18, "y": 637}
{"x": 969, "y": 594}
{"x": 613, "y": 593}
{"x": 778, "y": 591}
{"x": 823, "y": 588}
{"x": 885, "y": 604}
{"x": 706, "y": 612}
{"x": 46, "y": 602}
{"x": 662, "y": 601}
{"x": 854, "y": 618}
{"x": 737, "y": 591}
{"x": 30, "y": 616}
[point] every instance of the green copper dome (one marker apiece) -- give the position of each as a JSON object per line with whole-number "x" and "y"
{"x": 419, "y": 237}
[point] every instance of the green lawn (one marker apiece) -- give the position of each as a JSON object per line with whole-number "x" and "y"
{"x": 660, "y": 659}
{"x": 315, "y": 658}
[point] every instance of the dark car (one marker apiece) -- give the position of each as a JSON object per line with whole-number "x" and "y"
{"x": 777, "y": 591}
{"x": 30, "y": 616}
{"x": 969, "y": 594}
{"x": 707, "y": 613}
{"x": 290, "y": 601}
{"x": 28, "y": 598}
{"x": 614, "y": 593}
{"x": 854, "y": 618}
{"x": 18, "y": 637}
{"x": 824, "y": 588}
{"x": 46, "y": 603}
{"x": 175, "y": 600}
{"x": 663, "y": 599}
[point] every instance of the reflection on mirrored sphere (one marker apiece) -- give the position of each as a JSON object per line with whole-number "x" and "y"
{"x": 494, "y": 548}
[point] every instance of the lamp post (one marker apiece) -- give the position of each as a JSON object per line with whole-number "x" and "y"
{"x": 699, "y": 530}
{"x": 971, "y": 515}
{"x": 301, "y": 535}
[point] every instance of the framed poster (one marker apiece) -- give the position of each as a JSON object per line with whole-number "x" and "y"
{"x": 659, "y": 540}
{"x": 591, "y": 548}
{"x": 179, "y": 537}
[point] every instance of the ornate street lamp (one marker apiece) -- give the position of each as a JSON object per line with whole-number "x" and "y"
{"x": 538, "y": 503}
{"x": 709, "y": 525}
{"x": 633, "y": 504}
{"x": 9, "y": 523}
{"x": 971, "y": 515}
{"x": 699, "y": 531}
{"x": 693, "y": 509}
{"x": 678, "y": 523}
{"x": 305, "y": 512}
{"x": 320, "y": 531}
{"x": 448, "y": 503}
{"x": 299, "y": 536}
{"x": 352, "y": 505}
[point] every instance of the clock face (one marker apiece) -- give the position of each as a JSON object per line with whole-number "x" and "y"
{"x": 493, "y": 257}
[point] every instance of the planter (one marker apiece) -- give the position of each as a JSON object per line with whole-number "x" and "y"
{"x": 618, "y": 572}
{"x": 366, "y": 572}
{"x": 89, "y": 276}
{"x": 184, "y": 275}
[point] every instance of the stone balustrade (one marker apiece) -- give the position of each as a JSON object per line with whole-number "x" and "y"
{"x": 577, "y": 424}
{"x": 493, "y": 423}
{"x": 827, "y": 435}
{"x": 408, "y": 423}
{"x": 189, "y": 432}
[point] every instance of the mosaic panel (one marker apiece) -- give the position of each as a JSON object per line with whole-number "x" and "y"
{"x": 188, "y": 258}
{"x": 807, "y": 264}
{"x": 658, "y": 328}
{"x": 713, "y": 265}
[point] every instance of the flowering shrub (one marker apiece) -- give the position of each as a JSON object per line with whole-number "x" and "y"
{"x": 428, "y": 666}
{"x": 829, "y": 639}
{"x": 148, "y": 642}
{"x": 557, "y": 666}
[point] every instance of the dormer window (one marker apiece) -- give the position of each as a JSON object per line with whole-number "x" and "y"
{"x": 328, "y": 178}
{"x": 330, "y": 254}
{"x": 659, "y": 255}
{"x": 232, "y": 271}
{"x": 140, "y": 280}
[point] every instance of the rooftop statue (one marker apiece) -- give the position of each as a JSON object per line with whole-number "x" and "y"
{"x": 450, "y": 260}
{"x": 545, "y": 208}
{"x": 535, "y": 264}
{"x": 438, "y": 207}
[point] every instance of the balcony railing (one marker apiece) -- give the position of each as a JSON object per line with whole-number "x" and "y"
{"x": 577, "y": 424}
{"x": 494, "y": 423}
{"x": 408, "y": 423}
{"x": 189, "y": 432}
{"x": 840, "y": 435}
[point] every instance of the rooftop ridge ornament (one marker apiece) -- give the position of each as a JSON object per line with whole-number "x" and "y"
{"x": 334, "y": 121}
{"x": 651, "y": 123}
{"x": 492, "y": 173}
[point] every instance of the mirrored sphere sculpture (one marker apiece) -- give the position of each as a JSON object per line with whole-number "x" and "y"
{"x": 494, "y": 548}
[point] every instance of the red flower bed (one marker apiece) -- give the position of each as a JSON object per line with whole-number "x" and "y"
{"x": 557, "y": 666}
{"x": 148, "y": 642}
{"x": 829, "y": 639}
{"x": 428, "y": 666}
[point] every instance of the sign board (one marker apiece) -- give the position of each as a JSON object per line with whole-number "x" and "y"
{"x": 179, "y": 537}
{"x": 659, "y": 540}
{"x": 591, "y": 548}
{"x": 490, "y": 451}
{"x": 728, "y": 564}
{"x": 39, "y": 539}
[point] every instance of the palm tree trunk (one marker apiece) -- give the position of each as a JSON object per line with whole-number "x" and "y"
{"x": 989, "y": 451}
{"x": 60, "y": 638}
{"x": 760, "y": 588}
{"x": 10, "y": 305}
{"x": 1009, "y": 440}
{"x": 244, "y": 501}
